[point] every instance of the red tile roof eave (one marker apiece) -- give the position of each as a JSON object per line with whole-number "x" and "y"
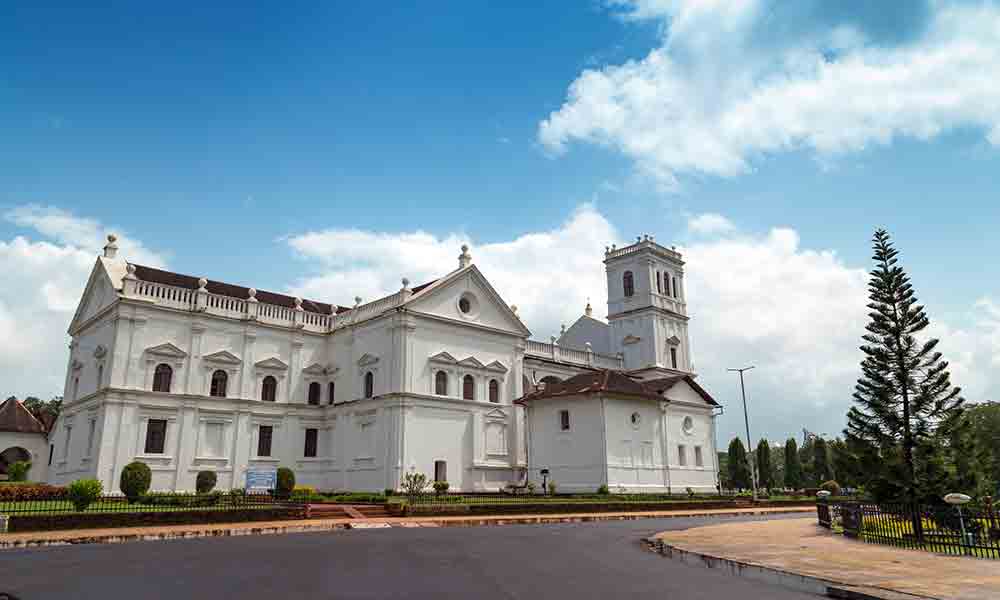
{"x": 15, "y": 425}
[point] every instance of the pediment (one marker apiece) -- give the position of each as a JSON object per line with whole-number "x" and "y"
{"x": 271, "y": 363}
{"x": 367, "y": 359}
{"x": 223, "y": 357}
{"x": 496, "y": 366}
{"x": 471, "y": 361}
{"x": 99, "y": 292}
{"x": 443, "y": 299}
{"x": 168, "y": 350}
{"x": 443, "y": 357}
{"x": 497, "y": 414}
{"x": 315, "y": 369}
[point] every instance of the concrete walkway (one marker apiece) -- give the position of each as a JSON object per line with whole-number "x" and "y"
{"x": 126, "y": 534}
{"x": 793, "y": 547}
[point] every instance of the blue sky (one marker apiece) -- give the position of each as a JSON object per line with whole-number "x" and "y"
{"x": 257, "y": 143}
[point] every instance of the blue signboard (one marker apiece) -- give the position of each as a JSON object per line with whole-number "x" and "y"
{"x": 262, "y": 478}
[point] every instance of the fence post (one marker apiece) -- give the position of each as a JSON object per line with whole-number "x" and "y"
{"x": 916, "y": 517}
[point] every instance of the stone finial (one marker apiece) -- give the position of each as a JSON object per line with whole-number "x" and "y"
{"x": 252, "y": 295}
{"x": 464, "y": 259}
{"x": 111, "y": 248}
{"x": 652, "y": 238}
{"x": 130, "y": 271}
{"x": 298, "y": 303}
{"x": 357, "y": 301}
{"x": 202, "y": 282}
{"x": 513, "y": 309}
{"x": 553, "y": 340}
{"x": 562, "y": 330}
{"x": 406, "y": 284}
{"x": 590, "y": 348}
{"x": 638, "y": 239}
{"x": 589, "y": 310}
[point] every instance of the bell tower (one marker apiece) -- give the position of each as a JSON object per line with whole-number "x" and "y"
{"x": 647, "y": 311}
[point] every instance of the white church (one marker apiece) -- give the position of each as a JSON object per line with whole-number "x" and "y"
{"x": 188, "y": 374}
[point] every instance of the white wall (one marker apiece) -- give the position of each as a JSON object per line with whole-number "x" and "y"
{"x": 36, "y": 445}
{"x": 575, "y": 458}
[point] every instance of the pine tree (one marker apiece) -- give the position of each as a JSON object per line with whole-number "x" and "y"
{"x": 765, "y": 475}
{"x": 793, "y": 468}
{"x": 904, "y": 392}
{"x": 739, "y": 467}
{"x": 821, "y": 462}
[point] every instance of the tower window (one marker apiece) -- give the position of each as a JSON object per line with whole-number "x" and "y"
{"x": 564, "y": 420}
{"x": 312, "y": 436}
{"x": 156, "y": 436}
{"x": 331, "y": 389}
{"x": 369, "y": 384}
{"x": 161, "y": 377}
{"x": 628, "y": 284}
{"x": 673, "y": 358}
{"x": 659, "y": 284}
{"x": 676, "y": 295}
{"x": 468, "y": 388}
{"x": 314, "y": 392}
{"x": 494, "y": 391}
{"x": 264, "y": 435}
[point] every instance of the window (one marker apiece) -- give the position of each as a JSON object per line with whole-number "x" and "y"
{"x": 52, "y": 450}
{"x": 440, "y": 470}
{"x": 698, "y": 462}
{"x": 314, "y": 392}
{"x": 441, "y": 383}
{"x": 269, "y": 389}
{"x": 100, "y": 376}
{"x": 468, "y": 388}
{"x": 659, "y": 284}
{"x": 464, "y": 305}
{"x": 494, "y": 391}
{"x": 156, "y": 436}
{"x": 311, "y": 436}
{"x": 564, "y": 420}
{"x": 161, "y": 377}
{"x": 628, "y": 284}
{"x": 369, "y": 384}
{"x": 76, "y": 388}
{"x": 264, "y": 434}
{"x": 213, "y": 442}
{"x": 90, "y": 436}
{"x": 636, "y": 419}
{"x": 682, "y": 455}
{"x": 688, "y": 425}
{"x": 673, "y": 357}
{"x": 330, "y": 390}
{"x": 676, "y": 295}
{"x": 220, "y": 379}
{"x": 666, "y": 283}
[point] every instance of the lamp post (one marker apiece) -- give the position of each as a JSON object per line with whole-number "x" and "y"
{"x": 746, "y": 421}
{"x": 957, "y": 500}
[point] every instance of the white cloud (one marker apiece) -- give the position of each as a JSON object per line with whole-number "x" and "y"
{"x": 712, "y": 98}
{"x": 43, "y": 281}
{"x": 709, "y": 223}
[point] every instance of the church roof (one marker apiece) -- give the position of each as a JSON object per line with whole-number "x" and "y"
{"x": 588, "y": 329}
{"x": 237, "y": 291}
{"x": 15, "y": 417}
{"x": 617, "y": 382}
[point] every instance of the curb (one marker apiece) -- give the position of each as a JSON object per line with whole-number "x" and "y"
{"x": 342, "y": 524}
{"x": 788, "y": 579}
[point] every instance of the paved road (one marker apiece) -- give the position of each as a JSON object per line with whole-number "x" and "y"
{"x": 590, "y": 560}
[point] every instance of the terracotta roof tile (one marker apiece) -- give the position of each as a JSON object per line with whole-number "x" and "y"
{"x": 15, "y": 417}
{"x": 617, "y": 382}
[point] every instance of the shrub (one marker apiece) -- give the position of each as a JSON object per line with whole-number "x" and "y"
{"x": 205, "y": 482}
{"x": 831, "y": 486}
{"x": 441, "y": 487}
{"x": 389, "y": 492}
{"x": 690, "y": 492}
{"x": 414, "y": 484}
{"x": 286, "y": 481}
{"x": 603, "y": 490}
{"x": 135, "y": 480}
{"x": 18, "y": 471}
{"x": 552, "y": 488}
{"x": 83, "y": 492}
{"x": 531, "y": 487}
{"x": 31, "y": 491}
{"x": 237, "y": 492}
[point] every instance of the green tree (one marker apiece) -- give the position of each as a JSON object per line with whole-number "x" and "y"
{"x": 765, "y": 475}
{"x": 983, "y": 433}
{"x": 41, "y": 408}
{"x": 739, "y": 466}
{"x": 793, "y": 467}
{"x": 724, "y": 481}
{"x": 904, "y": 392}
{"x": 821, "y": 462}
{"x": 778, "y": 466}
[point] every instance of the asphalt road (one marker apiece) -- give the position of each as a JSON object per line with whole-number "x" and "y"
{"x": 587, "y": 560}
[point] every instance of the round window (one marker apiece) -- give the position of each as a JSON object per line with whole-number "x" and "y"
{"x": 468, "y": 306}
{"x": 636, "y": 419}
{"x": 464, "y": 305}
{"x": 688, "y": 425}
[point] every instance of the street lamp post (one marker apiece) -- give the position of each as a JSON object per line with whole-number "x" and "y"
{"x": 746, "y": 421}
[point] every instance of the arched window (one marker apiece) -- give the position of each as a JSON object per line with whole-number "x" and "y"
{"x": 659, "y": 283}
{"x": 314, "y": 392}
{"x": 468, "y": 388}
{"x": 494, "y": 391}
{"x": 369, "y": 384}
{"x": 441, "y": 383}
{"x": 330, "y": 389}
{"x": 269, "y": 389}
{"x": 628, "y": 284}
{"x": 161, "y": 377}
{"x": 220, "y": 380}
{"x": 676, "y": 293}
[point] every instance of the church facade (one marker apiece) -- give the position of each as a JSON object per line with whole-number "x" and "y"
{"x": 189, "y": 374}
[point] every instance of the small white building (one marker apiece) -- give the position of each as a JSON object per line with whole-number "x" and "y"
{"x": 22, "y": 438}
{"x": 186, "y": 374}
{"x": 629, "y": 435}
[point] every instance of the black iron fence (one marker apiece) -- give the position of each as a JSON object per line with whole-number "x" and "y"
{"x": 969, "y": 530}
{"x": 61, "y": 503}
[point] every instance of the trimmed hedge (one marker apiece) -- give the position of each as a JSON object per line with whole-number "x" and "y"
{"x": 205, "y": 482}
{"x": 135, "y": 480}
{"x": 19, "y": 523}
{"x": 17, "y": 492}
{"x": 286, "y": 481}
